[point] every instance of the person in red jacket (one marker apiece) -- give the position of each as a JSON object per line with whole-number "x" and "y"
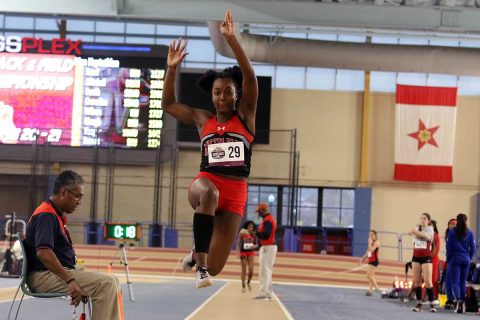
{"x": 435, "y": 258}
{"x": 246, "y": 245}
{"x": 51, "y": 254}
{"x": 268, "y": 251}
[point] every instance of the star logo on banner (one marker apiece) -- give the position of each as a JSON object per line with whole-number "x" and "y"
{"x": 424, "y": 135}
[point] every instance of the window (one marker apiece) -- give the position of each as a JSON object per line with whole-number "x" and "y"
{"x": 139, "y": 40}
{"x": 110, "y": 39}
{"x": 140, "y": 28}
{"x": 469, "y": 86}
{"x": 351, "y": 38}
{"x": 85, "y": 38}
{"x": 323, "y": 36}
{"x": 338, "y": 208}
{"x": 297, "y": 35}
{"x": 169, "y": 30}
{"x": 45, "y": 36}
{"x": 350, "y": 80}
{"x": 385, "y": 39}
{"x": 383, "y": 81}
{"x": 470, "y": 43}
{"x": 413, "y": 41}
{"x": 264, "y": 70}
{"x": 441, "y": 80}
{"x": 418, "y": 79}
{"x": 308, "y": 208}
{"x": 258, "y": 194}
{"x": 46, "y": 24}
{"x": 110, "y": 27}
{"x": 80, "y": 25}
{"x": 307, "y": 214}
{"x": 23, "y": 23}
{"x": 200, "y": 51}
{"x": 321, "y": 78}
{"x": 197, "y": 31}
{"x": 290, "y": 77}
{"x": 164, "y": 41}
{"x": 444, "y": 42}
{"x": 222, "y": 59}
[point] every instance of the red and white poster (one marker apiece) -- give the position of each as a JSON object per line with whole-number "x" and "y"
{"x": 424, "y": 133}
{"x": 36, "y": 97}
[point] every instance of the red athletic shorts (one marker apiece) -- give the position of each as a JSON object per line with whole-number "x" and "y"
{"x": 232, "y": 193}
{"x": 247, "y": 254}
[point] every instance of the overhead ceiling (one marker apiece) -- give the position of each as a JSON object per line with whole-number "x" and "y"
{"x": 456, "y": 16}
{"x": 434, "y": 18}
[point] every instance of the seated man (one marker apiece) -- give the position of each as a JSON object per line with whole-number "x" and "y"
{"x": 51, "y": 257}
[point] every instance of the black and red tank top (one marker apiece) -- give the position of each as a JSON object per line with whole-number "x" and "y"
{"x": 373, "y": 256}
{"x": 422, "y": 247}
{"x": 226, "y": 147}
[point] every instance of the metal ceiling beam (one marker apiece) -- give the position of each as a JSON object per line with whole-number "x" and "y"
{"x": 304, "y": 13}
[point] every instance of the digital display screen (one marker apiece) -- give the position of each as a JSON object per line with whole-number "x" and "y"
{"x": 79, "y": 101}
{"x": 121, "y": 231}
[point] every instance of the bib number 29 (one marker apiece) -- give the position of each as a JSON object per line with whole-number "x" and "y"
{"x": 234, "y": 152}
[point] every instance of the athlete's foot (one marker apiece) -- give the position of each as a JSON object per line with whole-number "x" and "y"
{"x": 249, "y": 286}
{"x": 188, "y": 262}
{"x": 417, "y": 308}
{"x": 202, "y": 277}
{"x": 449, "y": 305}
{"x": 432, "y": 308}
{"x": 368, "y": 293}
{"x": 243, "y": 290}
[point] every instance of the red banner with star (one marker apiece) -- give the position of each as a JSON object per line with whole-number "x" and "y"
{"x": 424, "y": 133}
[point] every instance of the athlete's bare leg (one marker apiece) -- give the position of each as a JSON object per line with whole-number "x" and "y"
{"x": 244, "y": 263}
{"x": 251, "y": 264}
{"x": 203, "y": 197}
{"x": 224, "y": 234}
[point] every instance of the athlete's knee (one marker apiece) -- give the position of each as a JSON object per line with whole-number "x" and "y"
{"x": 214, "y": 270}
{"x": 209, "y": 195}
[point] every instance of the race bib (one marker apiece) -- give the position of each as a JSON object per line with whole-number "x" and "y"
{"x": 248, "y": 246}
{"x": 420, "y": 244}
{"x": 226, "y": 154}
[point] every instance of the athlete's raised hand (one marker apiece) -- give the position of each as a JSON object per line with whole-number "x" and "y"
{"x": 226, "y": 27}
{"x": 176, "y": 52}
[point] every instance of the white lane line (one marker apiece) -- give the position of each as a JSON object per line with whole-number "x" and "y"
{"x": 287, "y": 283}
{"x": 282, "y": 306}
{"x": 140, "y": 259}
{"x": 190, "y": 316}
{"x": 16, "y": 301}
{"x": 317, "y": 274}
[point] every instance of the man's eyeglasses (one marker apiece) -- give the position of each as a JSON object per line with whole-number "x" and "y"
{"x": 78, "y": 197}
